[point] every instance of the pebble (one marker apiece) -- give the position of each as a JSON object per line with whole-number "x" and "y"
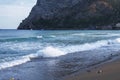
{"x": 12, "y": 79}
{"x": 99, "y": 71}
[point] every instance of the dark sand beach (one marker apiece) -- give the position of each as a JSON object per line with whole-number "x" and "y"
{"x": 107, "y": 71}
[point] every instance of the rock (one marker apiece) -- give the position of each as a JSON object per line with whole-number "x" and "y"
{"x": 111, "y": 54}
{"x": 117, "y": 26}
{"x": 12, "y": 78}
{"x": 72, "y": 14}
{"x": 99, "y": 71}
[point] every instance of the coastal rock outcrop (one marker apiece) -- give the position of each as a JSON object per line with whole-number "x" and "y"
{"x": 72, "y": 14}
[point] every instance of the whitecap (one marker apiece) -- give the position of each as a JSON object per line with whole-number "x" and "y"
{"x": 118, "y": 40}
{"x": 56, "y": 51}
{"x": 17, "y": 61}
{"x": 52, "y": 36}
{"x": 51, "y": 52}
{"x": 39, "y": 37}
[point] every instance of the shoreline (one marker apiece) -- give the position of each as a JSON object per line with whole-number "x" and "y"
{"x": 108, "y": 70}
{"x": 104, "y": 71}
{"x": 36, "y": 69}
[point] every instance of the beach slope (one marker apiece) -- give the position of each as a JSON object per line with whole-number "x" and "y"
{"x": 108, "y": 71}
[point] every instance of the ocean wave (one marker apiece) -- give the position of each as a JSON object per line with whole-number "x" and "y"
{"x": 20, "y": 39}
{"x": 79, "y": 34}
{"x": 53, "y": 51}
{"x": 118, "y": 40}
{"x": 20, "y": 46}
{"x": 56, "y": 51}
{"x": 52, "y": 36}
{"x": 100, "y": 34}
{"x": 39, "y": 37}
{"x": 17, "y": 61}
{"x": 25, "y": 38}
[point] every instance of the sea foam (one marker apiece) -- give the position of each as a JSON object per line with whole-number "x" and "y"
{"x": 16, "y": 62}
{"x": 55, "y": 51}
{"x": 39, "y": 37}
{"x": 51, "y": 52}
{"x": 118, "y": 40}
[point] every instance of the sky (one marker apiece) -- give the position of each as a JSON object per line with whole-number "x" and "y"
{"x": 12, "y": 12}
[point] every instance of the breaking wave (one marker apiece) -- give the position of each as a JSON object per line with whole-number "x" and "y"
{"x": 51, "y": 51}
{"x": 16, "y": 62}
{"x": 56, "y": 51}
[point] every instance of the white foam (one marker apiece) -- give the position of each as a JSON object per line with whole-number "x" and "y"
{"x": 95, "y": 35}
{"x": 13, "y": 63}
{"x": 51, "y": 52}
{"x": 79, "y": 34}
{"x": 56, "y": 51}
{"x": 118, "y": 40}
{"x": 20, "y": 46}
{"x": 52, "y": 36}
{"x": 19, "y": 61}
{"x": 39, "y": 37}
{"x": 86, "y": 46}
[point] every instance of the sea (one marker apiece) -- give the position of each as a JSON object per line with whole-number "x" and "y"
{"x": 53, "y": 54}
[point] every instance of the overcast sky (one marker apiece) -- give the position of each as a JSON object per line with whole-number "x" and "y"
{"x": 12, "y": 12}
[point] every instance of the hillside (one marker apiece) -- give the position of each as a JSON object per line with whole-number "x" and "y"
{"x": 73, "y": 14}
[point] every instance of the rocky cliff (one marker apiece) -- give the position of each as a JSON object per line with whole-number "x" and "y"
{"x": 72, "y": 14}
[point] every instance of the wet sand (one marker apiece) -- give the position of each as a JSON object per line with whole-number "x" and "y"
{"x": 107, "y": 71}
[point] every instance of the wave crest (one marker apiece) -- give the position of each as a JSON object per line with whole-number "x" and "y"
{"x": 51, "y": 52}
{"x": 56, "y": 51}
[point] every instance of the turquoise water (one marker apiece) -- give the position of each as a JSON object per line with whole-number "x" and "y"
{"x": 18, "y": 47}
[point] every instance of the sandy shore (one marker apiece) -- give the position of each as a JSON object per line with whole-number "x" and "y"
{"x": 107, "y": 71}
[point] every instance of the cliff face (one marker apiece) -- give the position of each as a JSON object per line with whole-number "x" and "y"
{"x": 72, "y": 14}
